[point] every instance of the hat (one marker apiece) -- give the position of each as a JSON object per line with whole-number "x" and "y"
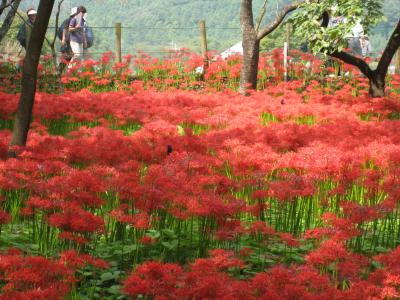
{"x": 31, "y": 12}
{"x": 74, "y": 10}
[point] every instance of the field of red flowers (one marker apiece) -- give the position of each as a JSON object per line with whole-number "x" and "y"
{"x": 290, "y": 193}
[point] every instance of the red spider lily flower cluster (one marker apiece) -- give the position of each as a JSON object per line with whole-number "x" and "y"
{"x": 290, "y": 193}
{"x": 180, "y": 69}
{"x": 35, "y": 277}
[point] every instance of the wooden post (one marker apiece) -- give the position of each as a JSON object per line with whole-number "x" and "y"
{"x": 397, "y": 62}
{"x": 203, "y": 38}
{"x": 118, "y": 48}
{"x": 288, "y": 33}
{"x": 203, "y": 44}
{"x": 285, "y": 61}
{"x": 286, "y": 48}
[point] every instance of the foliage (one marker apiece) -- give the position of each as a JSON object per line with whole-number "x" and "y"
{"x": 307, "y": 22}
{"x": 277, "y": 38}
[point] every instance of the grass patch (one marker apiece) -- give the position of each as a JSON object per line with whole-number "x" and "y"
{"x": 65, "y": 125}
{"x": 6, "y": 124}
{"x": 128, "y": 128}
{"x": 305, "y": 120}
{"x": 267, "y": 117}
{"x": 196, "y": 129}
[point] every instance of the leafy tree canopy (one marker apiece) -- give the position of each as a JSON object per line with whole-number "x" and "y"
{"x": 308, "y": 22}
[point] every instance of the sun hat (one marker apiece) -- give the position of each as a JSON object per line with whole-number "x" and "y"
{"x": 31, "y": 12}
{"x": 74, "y": 10}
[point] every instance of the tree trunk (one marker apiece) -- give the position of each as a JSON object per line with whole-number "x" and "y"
{"x": 251, "y": 38}
{"x": 251, "y": 47}
{"x": 377, "y": 85}
{"x": 29, "y": 76}
{"x": 251, "y": 54}
{"x": 9, "y": 19}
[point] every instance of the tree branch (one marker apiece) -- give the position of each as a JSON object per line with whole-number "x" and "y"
{"x": 279, "y": 19}
{"x": 9, "y": 19}
{"x": 344, "y": 56}
{"x": 57, "y": 20}
{"x": 262, "y": 14}
{"x": 354, "y": 61}
{"x": 391, "y": 48}
{"x": 4, "y": 5}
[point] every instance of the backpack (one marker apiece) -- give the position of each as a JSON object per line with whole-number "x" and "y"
{"x": 89, "y": 37}
{"x": 21, "y": 36}
{"x": 62, "y": 28}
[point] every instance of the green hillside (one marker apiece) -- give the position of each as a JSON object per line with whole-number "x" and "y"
{"x": 158, "y": 25}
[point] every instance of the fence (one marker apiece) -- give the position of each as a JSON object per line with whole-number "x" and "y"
{"x": 123, "y": 40}
{"x": 134, "y": 40}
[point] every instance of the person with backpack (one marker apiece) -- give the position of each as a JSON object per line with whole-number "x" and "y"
{"x": 77, "y": 35}
{"x": 25, "y": 30}
{"x": 64, "y": 35}
{"x": 89, "y": 37}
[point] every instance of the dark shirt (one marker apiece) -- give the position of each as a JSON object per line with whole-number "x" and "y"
{"x": 77, "y": 35}
{"x": 24, "y": 33}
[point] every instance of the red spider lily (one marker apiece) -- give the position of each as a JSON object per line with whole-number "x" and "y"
{"x": 4, "y": 217}
{"x": 77, "y": 220}
{"x": 72, "y": 259}
{"x": 329, "y": 252}
{"x": 147, "y": 240}
{"x": 154, "y": 279}
{"x": 292, "y": 283}
{"x": 260, "y": 227}
{"x": 358, "y": 213}
{"x": 316, "y": 159}
{"x": 34, "y": 277}
{"x": 140, "y": 220}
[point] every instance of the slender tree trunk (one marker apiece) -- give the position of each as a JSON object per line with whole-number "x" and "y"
{"x": 9, "y": 19}
{"x": 251, "y": 54}
{"x": 251, "y": 47}
{"x": 29, "y": 76}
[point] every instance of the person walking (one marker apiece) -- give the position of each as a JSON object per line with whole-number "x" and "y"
{"x": 77, "y": 35}
{"x": 365, "y": 46}
{"x": 354, "y": 39}
{"x": 25, "y": 30}
{"x": 64, "y": 36}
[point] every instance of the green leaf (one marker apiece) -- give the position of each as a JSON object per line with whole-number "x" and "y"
{"x": 129, "y": 249}
{"x": 181, "y": 130}
{"x": 114, "y": 289}
{"x": 169, "y": 233}
{"x": 170, "y": 245}
{"x": 108, "y": 276}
